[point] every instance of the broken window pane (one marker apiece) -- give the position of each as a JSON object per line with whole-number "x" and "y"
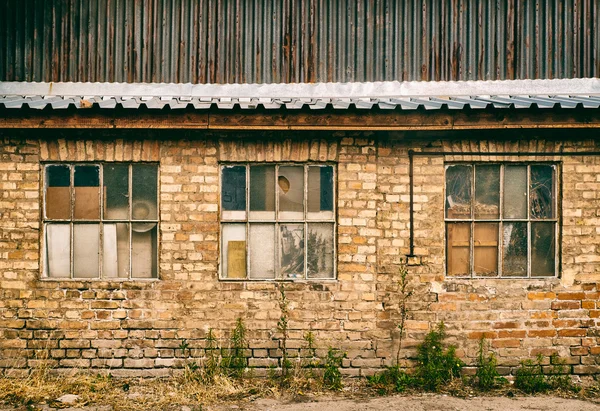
{"x": 87, "y": 193}
{"x": 144, "y": 250}
{"x": 86, "y": 246}
{"x": 116, "y": 192}
{"x": 459, "y": 255}
{"x": 233, "y": 250}
{"x": 458, "y": 191}
{"x": 319, "y": 249}
{"x": 542, "y": 250}
{"x": 262, "y": 251}
{"x": 58, "y": 194}
{"x": 487, "y": 191}
{"x": 320, "y": 192}
{"x": 115, "y": 261}
{"x": 58, "y": 246}
{"x": 262, "y": 192}
{"x": 143, "y": 184}
{"x": 291, "y": 250}
{"x": 290, "y": 183}
{"x": 485, "y": 249}
{"x": 514, "y": 250}
{"x": 515, "y": 192}
{"x": 542, "y": 191}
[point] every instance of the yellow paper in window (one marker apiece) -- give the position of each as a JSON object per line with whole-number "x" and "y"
{"x": 236, "y": 259}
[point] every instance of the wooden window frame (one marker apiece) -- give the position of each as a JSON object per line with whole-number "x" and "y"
{"x": 101, "y": 221}
{"x": 501, "y": 220}
{"x": 277, "y": 221}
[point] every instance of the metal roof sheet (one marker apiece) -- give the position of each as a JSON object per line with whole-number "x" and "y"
{"x": 564, "y": 93}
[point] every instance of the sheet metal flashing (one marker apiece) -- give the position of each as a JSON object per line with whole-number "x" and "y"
{"x": 519, "y": 94}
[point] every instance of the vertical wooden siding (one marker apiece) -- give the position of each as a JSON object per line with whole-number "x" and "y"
{"x": 248, "y": 41}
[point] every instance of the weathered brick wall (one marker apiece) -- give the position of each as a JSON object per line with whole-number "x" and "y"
{"x": 136, "y": 327}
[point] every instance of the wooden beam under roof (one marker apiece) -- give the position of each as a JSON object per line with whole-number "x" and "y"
{"x": 327, "y": 119}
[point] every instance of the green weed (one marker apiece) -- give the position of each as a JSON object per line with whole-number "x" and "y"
{"x": 486, "y": 377}
{"x": 332, "y": 377}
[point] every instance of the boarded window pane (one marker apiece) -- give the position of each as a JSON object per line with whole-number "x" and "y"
{"x": 290, "y": 184}
{"x": 487, "y": 191}
{"x": 115, "y": 262}
{"x": 143, "y": 182}
{"x": 233, "y": 251}
{"x": 514, "y": 250}
{"x": 515, "y": 192}
{"x": 144, "y": 250}
{"x": 87, "y": 193}
{"x": 485, "y": 249}
{"x": 458, "y": 191}
{"x": 262, "y": 192}
{"x": 116, "y": 192}
{"x": 320, "y": 192}
{"x": 86, "y": 246}
{"x": 542, "y": 191}
{"x": 459, "y": 258}
{"x": 542, "y": 249}
{"x": 319, "y": 244}
{"x": 58, "y": 246}
{"x": 233, "y": 188}
{"x": 262, "y": 251}
{"x": 58, "y": 195}
{"x": 291, "y": 250}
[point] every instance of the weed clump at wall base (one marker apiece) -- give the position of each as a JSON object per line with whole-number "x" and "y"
{"x": 530, "y": 377}
{"x": 436, "y": 365}
{"x": 487, "y": 377}
{"x": 332, "y": 377}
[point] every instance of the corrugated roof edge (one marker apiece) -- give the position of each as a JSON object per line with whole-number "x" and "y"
{"x": 376, "y": 90}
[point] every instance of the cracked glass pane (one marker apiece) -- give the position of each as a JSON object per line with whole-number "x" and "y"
{"x": 514, "y": 250}
{"x": 487, "y": 191}
{"x": 116, "y": 192}
{"x": 458, "y": 191}
{"x": 291, "y": 250}
{"x": 290, "y": 184}
{"x": 542, "y": 250}
{"x": 319, "y": 245}
{"x": 541, "y": 191}
{"x": 143, "y": 182}
{"x": 320, "y": 192}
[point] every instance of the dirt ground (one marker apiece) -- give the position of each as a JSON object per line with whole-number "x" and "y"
{"x": 424, "y": 402}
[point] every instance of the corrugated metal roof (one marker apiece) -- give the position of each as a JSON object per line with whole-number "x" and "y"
{"x": 564, "y": 93}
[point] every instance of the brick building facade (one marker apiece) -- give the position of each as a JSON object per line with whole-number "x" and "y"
{"x": 135, "y": 326}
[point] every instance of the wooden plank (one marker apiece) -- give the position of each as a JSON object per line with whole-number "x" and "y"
{"x": 328, "y": 119}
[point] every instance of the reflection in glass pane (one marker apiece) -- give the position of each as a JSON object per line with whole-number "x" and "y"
{"x": 233, "y": 257}
{"x": 485, "y": 249}
{"x": 143, "y": 185}
{"x": 86, "y": 250}
{"x": 143, "y": 250}
{"x": 290, "y": 184}
{"x": 115, "y": 261}
{"x": 233, "y": 188}
{"x": 458, "y": 191}
{"x": 320, "y": 189}
{"x": 262, "y": 192}
{"x": 514, "y": 250}
{"x": 487, "y": 191}
{"x": 116, "y": 191}
{"x": 87, "y": 193}
{"x": 58, "y": 246}
{"x": 458, "y": 257}
{"x": 541, "y": 191}
{"x": 515, "y": 192}
{"x": 262, "y": 251}
{"x": 58, "y": 195}
{"x": 319, "y": 245}
{"x": 542, "y": 249}
{"x": 291, "y": 251}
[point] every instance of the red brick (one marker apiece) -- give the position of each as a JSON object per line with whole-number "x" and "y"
{"x": 541, "y": 333}
{"x": 566, "y": 305}
{"x": 577, "y": 332}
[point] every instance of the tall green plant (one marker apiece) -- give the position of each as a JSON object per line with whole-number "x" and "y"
{"x": 236, "y": 361}
{"x": 486, "y": 376}
{"x": 404, "y": 296}
{"x": 282, "y": 326}
{"x": 436, "y": 365}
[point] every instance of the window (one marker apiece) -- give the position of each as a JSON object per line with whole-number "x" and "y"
{"x": 277, "y": 221}
{"x": 100, "y": 220}
{"x": 501, "y": 220}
